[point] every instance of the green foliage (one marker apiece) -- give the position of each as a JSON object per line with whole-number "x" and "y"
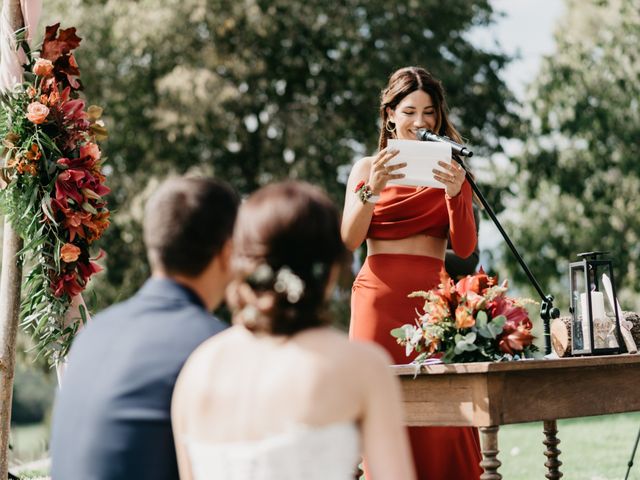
{"x": 577, "y": 181}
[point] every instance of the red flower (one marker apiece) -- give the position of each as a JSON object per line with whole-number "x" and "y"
{"x": 477, "y": 283}
{"x": 67, "y": 283}
{"x": 515, "y": 314}
{"x": 74, "y": 110}
{"x": 54, "y": 46}
{"x": 68, "y": 185}
{"x": 78, "y": 183}
{"x": 98, "y": 225}
{"x": 75, "y": 222}
{"x": 85, "y": 162}
{"x": 90, "y": 150}
{"x": 359, "y": 186}
{"x": 86, "y": 270}
{"x": 514, "y": 339}
{"x": 57, "y": 48}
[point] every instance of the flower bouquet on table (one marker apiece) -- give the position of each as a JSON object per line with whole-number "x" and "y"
{"x": 55, "y": 188}
{"x": 469, "y": 321}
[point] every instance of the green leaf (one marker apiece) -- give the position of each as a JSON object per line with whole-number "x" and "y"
{"x": 496, "y": 325}
{"x": 470, "y": 337}
{"x": 89, "y": 208}
{"x": 400, "y": 333}
{"x": 46, "y": 208}
{"x": 481, "y": 318}
{"x": 83, "y": 314}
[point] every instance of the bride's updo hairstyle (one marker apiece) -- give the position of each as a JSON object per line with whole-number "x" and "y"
{"x": 286, "y": 241}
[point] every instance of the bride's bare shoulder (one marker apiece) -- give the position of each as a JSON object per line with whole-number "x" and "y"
{"x": 371, "y": 353}
{"x": 225, "y": 341}
{"x": 360, "y": 355}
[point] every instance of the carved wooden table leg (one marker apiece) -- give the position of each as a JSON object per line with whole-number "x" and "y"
{"x": 490, "y": 462}
{"x": 552, "y": 452}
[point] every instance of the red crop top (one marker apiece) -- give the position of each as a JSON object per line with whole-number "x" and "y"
{"x": 403, "y": 212}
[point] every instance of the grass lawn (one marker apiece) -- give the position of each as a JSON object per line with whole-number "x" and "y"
{"x": 593, "y": 448}
{"x": 28, "y": 443}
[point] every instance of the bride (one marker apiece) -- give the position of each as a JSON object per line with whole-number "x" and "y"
{"x": 281, "y": 395}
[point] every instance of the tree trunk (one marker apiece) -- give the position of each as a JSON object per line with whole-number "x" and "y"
{"x": 10, "y": 283}
{"x": 11, "y": 279}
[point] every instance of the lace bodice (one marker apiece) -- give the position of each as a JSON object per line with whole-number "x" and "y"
{"x": 312, "y": 453}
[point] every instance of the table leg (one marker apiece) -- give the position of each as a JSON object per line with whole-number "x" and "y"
{"x": 490, "y": 462}
{"x": 552, "y": 452}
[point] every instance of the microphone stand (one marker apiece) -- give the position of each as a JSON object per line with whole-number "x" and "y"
{"x": 547, "y": 310}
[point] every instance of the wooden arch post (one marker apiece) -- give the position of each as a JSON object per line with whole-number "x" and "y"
{"x": 10, "y": 283}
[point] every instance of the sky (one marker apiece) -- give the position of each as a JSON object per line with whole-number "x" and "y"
{"x": 525, "y": 30}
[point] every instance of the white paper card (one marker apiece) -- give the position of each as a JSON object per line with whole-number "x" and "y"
{"x": 421, "y": 158}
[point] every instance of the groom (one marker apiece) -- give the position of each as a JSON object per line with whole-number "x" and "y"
{"x": 112, "y": 415}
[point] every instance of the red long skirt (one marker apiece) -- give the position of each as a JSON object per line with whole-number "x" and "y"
{"x": 379, "y": 304}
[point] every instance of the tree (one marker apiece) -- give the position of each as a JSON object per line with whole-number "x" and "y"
{"x": 579, "y": 172}
{"x": 259, "y": 90}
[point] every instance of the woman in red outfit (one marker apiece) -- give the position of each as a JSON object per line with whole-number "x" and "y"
{"x": 406, "y": 230}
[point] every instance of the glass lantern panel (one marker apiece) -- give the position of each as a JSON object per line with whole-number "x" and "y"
{"x": 604, "y": 318}
{"x": 580, "y": 322}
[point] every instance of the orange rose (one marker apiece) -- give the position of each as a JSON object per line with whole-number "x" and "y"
{"x": 37, "y": 112}
{"x": 43, "y": 67}
{"x": 69, "y": 253}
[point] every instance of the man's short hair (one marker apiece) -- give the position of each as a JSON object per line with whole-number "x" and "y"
{"x": 187, "y": 222}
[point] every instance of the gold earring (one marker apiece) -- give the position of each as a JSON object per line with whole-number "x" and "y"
{"x": 386, "y": 126}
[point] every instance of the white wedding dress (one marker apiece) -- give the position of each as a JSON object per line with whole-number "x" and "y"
{"x": 329, "y": 452}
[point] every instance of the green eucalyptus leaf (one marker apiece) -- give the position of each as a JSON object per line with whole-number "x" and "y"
{"x": 400, "y": 333}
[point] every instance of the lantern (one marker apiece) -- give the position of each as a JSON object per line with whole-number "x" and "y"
{"x": 595, "y": 324}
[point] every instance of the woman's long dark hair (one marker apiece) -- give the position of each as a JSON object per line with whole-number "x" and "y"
{"x": 408, "y": 80}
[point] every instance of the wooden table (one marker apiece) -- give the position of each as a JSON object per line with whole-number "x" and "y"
{"x": 487, "y": 395}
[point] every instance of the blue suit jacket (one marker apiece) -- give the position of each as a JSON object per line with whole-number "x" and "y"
{"x": 112, "y": 415}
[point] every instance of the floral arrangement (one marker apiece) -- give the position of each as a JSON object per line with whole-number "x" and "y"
{"x": 469, "y": 321}
{"x": 54, "y": 193}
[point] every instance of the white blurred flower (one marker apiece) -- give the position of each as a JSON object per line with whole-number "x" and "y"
{"x": 289, "y": 283}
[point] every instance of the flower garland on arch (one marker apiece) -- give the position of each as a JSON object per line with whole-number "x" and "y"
{"x": 55, "y": 188}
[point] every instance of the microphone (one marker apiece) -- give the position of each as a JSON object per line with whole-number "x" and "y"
{"x": 427, "y": 135}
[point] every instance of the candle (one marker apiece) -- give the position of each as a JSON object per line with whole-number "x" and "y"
{"x": 597, "y": 310}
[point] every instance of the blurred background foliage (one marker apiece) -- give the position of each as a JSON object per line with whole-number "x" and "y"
{"x": 575, "y": 187}
{"x": 254, "y": 91}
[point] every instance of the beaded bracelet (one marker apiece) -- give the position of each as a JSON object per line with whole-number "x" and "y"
{"x": 365, "y": 194}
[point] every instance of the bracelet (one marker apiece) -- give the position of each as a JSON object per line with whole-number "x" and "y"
{"x": 365, "y": 194}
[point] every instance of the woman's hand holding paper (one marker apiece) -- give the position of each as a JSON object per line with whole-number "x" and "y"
{"x": 451, "y": 176}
